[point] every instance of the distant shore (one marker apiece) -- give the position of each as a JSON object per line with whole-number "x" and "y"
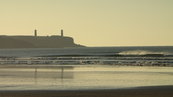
{"x": 25, "y": 42}
{"x": 150, "y": 91}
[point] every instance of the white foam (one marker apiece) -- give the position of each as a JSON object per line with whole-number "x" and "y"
{"x": 142, "y": 52}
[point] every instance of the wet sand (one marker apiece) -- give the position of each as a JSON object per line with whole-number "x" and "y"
{"x": 154, "y": 91}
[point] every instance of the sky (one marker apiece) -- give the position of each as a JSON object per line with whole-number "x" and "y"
{"x": 92, "y": 22}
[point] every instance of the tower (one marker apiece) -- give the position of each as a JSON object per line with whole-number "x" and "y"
{"x": 35, "y": 33}
{"x": 62, "y": 34}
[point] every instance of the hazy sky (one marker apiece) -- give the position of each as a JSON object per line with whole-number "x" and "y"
{"x": 92, "y": 22}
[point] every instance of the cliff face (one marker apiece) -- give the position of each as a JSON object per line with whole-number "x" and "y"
{"x": 36, "y": 42}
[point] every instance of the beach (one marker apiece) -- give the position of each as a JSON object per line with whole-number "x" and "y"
{"x": 153, "y": 91}
{"x": 86, "y": 72}
{"x": 86, "y": 81}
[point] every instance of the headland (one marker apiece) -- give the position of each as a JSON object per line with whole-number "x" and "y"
{"x": 54, "y": 41}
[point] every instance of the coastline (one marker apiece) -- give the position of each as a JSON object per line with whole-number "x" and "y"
{"x": 148, "y": 91}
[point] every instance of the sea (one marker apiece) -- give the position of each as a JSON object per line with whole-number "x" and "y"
{"x": 143, "y": 56}
{"x": 85, "y": 68}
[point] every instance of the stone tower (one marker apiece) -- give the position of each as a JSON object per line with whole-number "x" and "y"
{"x": 62, "y": 33}
{"x": 35, "y": 33}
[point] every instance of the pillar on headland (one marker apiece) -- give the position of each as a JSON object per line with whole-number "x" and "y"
{"x": 35, "y": 33}
{"x": 62, "y": 33}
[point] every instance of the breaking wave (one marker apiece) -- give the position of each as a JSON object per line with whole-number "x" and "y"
{"x": 143, "y": 52}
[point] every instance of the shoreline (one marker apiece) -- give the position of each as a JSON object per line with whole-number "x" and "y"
{"x": 146, "y": 91}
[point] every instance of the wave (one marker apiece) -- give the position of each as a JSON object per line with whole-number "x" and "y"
{"x": 143, "y": 52}
{"x": 131, "y": 53}
{"x": 93, "y": 52}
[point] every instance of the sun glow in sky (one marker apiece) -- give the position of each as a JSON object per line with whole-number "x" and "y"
{"x": 92, "y": 22}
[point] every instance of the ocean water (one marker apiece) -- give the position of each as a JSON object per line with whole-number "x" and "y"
{"x": 136, "y": 56}
{"x": 85, "y": 68}
{"x": 88, "y": 51}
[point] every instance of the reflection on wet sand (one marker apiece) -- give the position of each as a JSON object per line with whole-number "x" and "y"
{"x": 60, "y": 72}
{"x": 37, "y": 74}
{"x": 65, "y": 77}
